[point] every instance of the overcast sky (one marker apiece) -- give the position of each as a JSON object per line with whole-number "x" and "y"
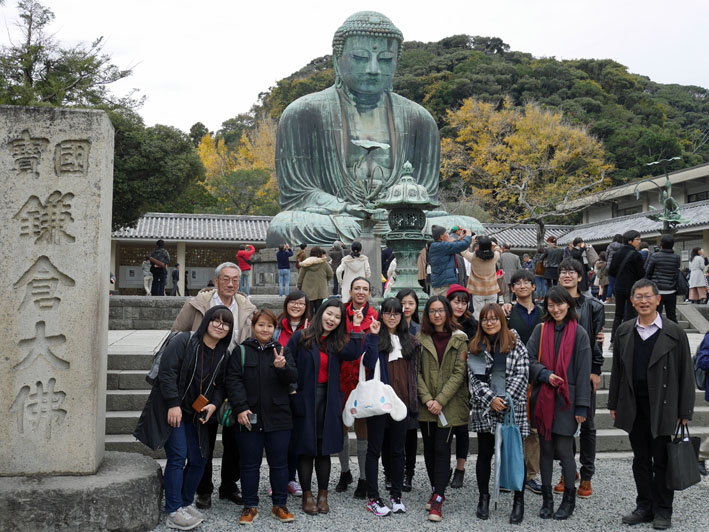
{"x": 207, "y": 61}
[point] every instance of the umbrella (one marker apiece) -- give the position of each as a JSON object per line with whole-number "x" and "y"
{"x": 498, "y": 455}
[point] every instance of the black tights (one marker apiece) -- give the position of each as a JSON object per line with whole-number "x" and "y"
{"x": 322, "y": 469}
{"x": 486, "y": 450}
{"x": 563, "y": 448}
{"x": 410, "y": 448}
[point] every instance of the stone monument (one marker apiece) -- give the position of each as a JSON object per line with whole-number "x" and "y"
{"x": 338, "y": 150}
{"x": 55, "y": 222}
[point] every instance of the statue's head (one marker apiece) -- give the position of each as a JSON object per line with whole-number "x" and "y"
{"x": 366, "y": 49}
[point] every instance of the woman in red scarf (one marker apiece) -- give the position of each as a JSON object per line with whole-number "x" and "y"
{"x": 560, "y": 374}
{"x": 360, "y": 290}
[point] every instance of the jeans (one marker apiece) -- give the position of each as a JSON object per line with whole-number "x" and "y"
{"x": 541, "y": 286}
{"x": 159, "y": 280}
{"x": 376, "y": 427}
{"x": 669, "y": 303}
{"x": 230, "y": 461}
{"x": 649, "y": 464}
{"x": 284, "y": 282}
{"x": 244, "y": 285}
{"x": 437, "y": 454}
{"x": 251, "y": 446}
{"x": 611, "y": 284}
{"x": 181, "y": 480}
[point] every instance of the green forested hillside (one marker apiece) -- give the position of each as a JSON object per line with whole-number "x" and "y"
{"x": 637, "y": 120}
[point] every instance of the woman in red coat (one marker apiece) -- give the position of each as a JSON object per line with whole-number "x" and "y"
{"x": 360, "y": 290}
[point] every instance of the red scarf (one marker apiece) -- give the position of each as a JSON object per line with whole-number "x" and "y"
{"x": 544, "y": 409}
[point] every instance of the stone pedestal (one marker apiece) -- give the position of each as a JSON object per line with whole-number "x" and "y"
{"x": 123, "y": 496}
{"x": 56, "y": 168}
{"x": 372, "y": 249}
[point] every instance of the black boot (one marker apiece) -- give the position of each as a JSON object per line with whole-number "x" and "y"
{"x": 568, "y": 503}
{"x": 408, "y": 481}
{"x": 458, "y": 476}
{"x": 345, "y": 480}
{"x": 483, "y": 511}
{"x": 517, "y": 508}
{"x": 547, "y": 503}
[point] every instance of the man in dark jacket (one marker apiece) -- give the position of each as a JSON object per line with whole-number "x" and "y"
{"x": 592, "y": 317}
{"x": 627, "y": 267}
{"x": 651, "y": 390}
{"x": 442, "y": 258}
{"x": 662, "y": 269}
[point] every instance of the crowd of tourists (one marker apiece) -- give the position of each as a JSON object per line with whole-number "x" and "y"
{"x": 471, "y": 358}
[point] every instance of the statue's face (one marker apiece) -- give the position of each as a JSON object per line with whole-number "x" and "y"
{"x": 367, "y": 64}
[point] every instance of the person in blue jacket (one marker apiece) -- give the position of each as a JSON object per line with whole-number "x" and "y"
{"x": 442, "y": 258}
{"x": 703, "y": 364}
{"x": 318, "y": 351}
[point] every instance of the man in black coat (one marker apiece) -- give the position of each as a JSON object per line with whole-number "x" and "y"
{"x": 651, "y": 390}
{"x": 592, "y": 317}
{"x": 627, "y": 267}
{"x": 662, "y": 269}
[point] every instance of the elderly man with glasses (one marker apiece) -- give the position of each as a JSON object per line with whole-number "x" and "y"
{"x": 227, "y": 277}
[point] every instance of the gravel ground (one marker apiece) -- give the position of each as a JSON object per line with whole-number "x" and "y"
{"x": 614, "y": 495}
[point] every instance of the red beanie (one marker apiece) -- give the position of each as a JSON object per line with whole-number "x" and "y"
{"x": 456, "y": 288}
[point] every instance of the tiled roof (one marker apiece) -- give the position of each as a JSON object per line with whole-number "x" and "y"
{"x": 697, "y": 212}
{"x": 186, "y": 227}
{"x": 523, "y": 236}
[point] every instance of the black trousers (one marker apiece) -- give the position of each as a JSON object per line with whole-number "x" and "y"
{"x": 231, "y": 470}
{"x": 623, "y": 310}
{"x": 410, "y": 449}
{"x": 462, "y": 441}
{"x": 377, "y": 426}
{"x": 561, "y": 447}
{"x": 669, "y": 303}
{"x": 483, "y": 466}
{"x": 437, "y": 454}
{"x": 650, "y": 464}
{"x": 587, "y": 441}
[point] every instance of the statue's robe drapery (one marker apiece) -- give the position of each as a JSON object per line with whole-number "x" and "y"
{"x": 311, "y": 155}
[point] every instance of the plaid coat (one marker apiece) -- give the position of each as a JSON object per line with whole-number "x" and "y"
{"x": 516, "y": 380}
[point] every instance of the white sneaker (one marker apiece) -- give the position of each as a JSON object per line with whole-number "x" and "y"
{"x": 295, "y": 489}
{"x": 378, "y": 508}
{"x": 193, "y": 511}
{"x": 397, "y": 506}
{"x": 182, "y": 520}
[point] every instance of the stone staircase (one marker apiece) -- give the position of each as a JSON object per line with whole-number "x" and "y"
{"x": 683, "y": 321}
{"x": 130, "y": 356}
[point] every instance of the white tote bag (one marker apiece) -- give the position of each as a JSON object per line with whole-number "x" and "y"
{"x": 372, "y": 398}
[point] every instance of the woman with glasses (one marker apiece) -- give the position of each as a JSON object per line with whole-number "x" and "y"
{"x": 497, "y": 365}
{"x": 459, "y": 299}
{"x": 397, "y": 363}
{"x": 442, "y": 393}
{"x": 560, "y": 374}
{"x": 189, "y": 387}
{"x": 318, "y": 351}
{"x": 258, "y": 391}
{"x": 295, "y": 316}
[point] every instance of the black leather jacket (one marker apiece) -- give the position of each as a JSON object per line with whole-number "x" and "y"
{"x": 592, "y": 317}
{"x": 662, "y": 269}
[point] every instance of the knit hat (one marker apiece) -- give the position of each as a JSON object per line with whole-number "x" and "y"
{"x": 437, "y": 232}
{"x": 456, "y": 288}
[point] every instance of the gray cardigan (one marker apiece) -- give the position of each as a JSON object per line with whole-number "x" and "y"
{"x": 578, "y": 374}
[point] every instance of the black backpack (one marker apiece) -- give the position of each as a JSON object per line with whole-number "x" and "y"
{"x": 152, "y": 376}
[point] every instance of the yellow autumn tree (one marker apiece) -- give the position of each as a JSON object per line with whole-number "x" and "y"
{"x": 243, "y": 180}
{"x": 524, "y": 164}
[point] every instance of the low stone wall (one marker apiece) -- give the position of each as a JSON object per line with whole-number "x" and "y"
{"x": 158, "y": 313}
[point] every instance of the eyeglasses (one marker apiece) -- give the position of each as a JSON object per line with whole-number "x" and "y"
{"x": 641, "y": 297}
{"x": 523, "y": 283}
{"x": 568, "y": 273}
{"x": 391, "y": 314}
{"x": 493, "y": 319}
{"x": 218, "y": 324}
{"x": 296, "y": 303}
{"x": 436, "y": 311}
{"x": 230, "y": 280}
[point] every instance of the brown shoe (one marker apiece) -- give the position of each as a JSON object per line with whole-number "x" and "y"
{"x": 585, "y": 490}
{"x": 248, "y": 516}
{"x": 282, "y": 514}
{"x": 309, "y": 503}
{"x": 559, "y": 488}
{"x": 323, "y": 507}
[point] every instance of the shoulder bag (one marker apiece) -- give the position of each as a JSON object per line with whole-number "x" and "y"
{"x": 372, "y": 398}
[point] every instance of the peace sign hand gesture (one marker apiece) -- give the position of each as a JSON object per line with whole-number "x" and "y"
{"x": 279, "y": 360}
{"x": 374, "y": 327}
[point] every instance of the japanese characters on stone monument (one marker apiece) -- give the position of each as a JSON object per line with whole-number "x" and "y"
{"x": 56, "y": 168}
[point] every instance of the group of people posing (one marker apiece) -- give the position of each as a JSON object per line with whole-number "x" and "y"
{"x": 287, "y": 378}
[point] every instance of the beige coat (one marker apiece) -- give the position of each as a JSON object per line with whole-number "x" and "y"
{"x": 351, "y": 268}
{"x": 483, "y": 279}
{"x": 313, "y": 275}
{"x": 193, "y": 311}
